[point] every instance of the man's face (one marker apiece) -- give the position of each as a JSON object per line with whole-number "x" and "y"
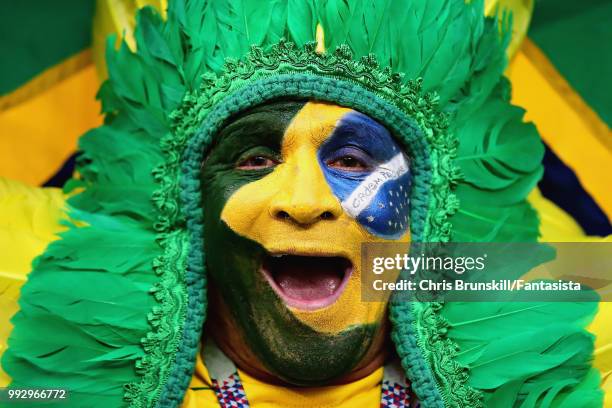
{"x": 290, "y": 192}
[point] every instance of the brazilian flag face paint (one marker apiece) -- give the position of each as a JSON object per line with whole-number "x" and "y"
{"x": 373, "y": 181}
{"x": 291, "y": 191}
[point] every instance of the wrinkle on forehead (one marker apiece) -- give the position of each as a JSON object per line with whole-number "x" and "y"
{"x": 312, "y": 125}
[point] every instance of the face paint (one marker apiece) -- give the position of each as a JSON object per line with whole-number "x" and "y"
{"x": 282, "y": 252}
{"x": 375, "y": 188}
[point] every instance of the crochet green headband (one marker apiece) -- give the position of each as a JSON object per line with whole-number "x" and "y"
{"x": 121, "y": 301}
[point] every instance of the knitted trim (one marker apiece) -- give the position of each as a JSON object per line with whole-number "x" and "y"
{"x": 284, "y": 70}
{"x": 162, "y": 342}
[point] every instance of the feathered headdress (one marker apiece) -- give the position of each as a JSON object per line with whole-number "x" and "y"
{"x": 114, "y": 310}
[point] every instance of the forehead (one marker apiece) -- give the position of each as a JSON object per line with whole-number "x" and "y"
{"x": 314, "y": 123}
{"x": 287, "y": 124}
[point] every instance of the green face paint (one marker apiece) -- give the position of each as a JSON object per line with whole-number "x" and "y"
{"x": 257, "y": 149}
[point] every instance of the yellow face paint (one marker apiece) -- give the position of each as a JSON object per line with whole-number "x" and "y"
{"x": 298, "y": 187}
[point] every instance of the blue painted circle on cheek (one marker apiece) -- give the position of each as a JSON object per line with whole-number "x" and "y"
{"x": 388, "y": 214}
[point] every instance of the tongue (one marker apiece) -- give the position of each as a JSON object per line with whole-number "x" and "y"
{"x": 307, "y": 280}
{"x": 314, "y": 286}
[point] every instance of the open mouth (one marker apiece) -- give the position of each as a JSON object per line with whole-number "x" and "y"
{"x": 307, "y": 282}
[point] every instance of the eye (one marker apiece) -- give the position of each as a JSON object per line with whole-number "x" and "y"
{"x": 256, "y": 163}
{"x": 348, "y": 163}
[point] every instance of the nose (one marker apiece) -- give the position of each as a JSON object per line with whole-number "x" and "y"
{"x": 306, "y": 198}
{"x": 304, "y": 214}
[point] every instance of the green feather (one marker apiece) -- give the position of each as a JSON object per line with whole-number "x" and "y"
{"x": 519, "y": 352}
{"x": 301, "y": 22}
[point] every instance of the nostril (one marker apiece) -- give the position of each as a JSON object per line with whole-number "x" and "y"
{"x": 282, "y": 215}
{"x": 327, "y": 215}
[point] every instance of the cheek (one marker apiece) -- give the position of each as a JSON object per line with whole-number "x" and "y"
{"x": 378, "y": 201}
{"x": 225, "y": 265}
{"x": 246, "y": 210}
{"x": 232, "y": 199}
{"x": 386, "y": 215}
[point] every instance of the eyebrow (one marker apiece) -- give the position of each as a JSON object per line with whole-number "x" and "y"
{"x": 264, "y": 123}
{"x": 253, "y": 127}
{"x": 362, "y": 131}
{"x": 363, "y": 127}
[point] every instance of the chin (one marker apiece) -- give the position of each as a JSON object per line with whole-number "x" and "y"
{"x": 293, "y": 351}
{"x": 304, "y": 358}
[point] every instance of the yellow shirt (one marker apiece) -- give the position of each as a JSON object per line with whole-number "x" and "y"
{"x": 362, "y": 393}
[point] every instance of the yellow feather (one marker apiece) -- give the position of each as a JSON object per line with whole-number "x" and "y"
{"x": 521, "y": 17}
{"x": 117, "y": 17}
{"x": 29, "y": 220}
{"x": 320, "y": 39}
